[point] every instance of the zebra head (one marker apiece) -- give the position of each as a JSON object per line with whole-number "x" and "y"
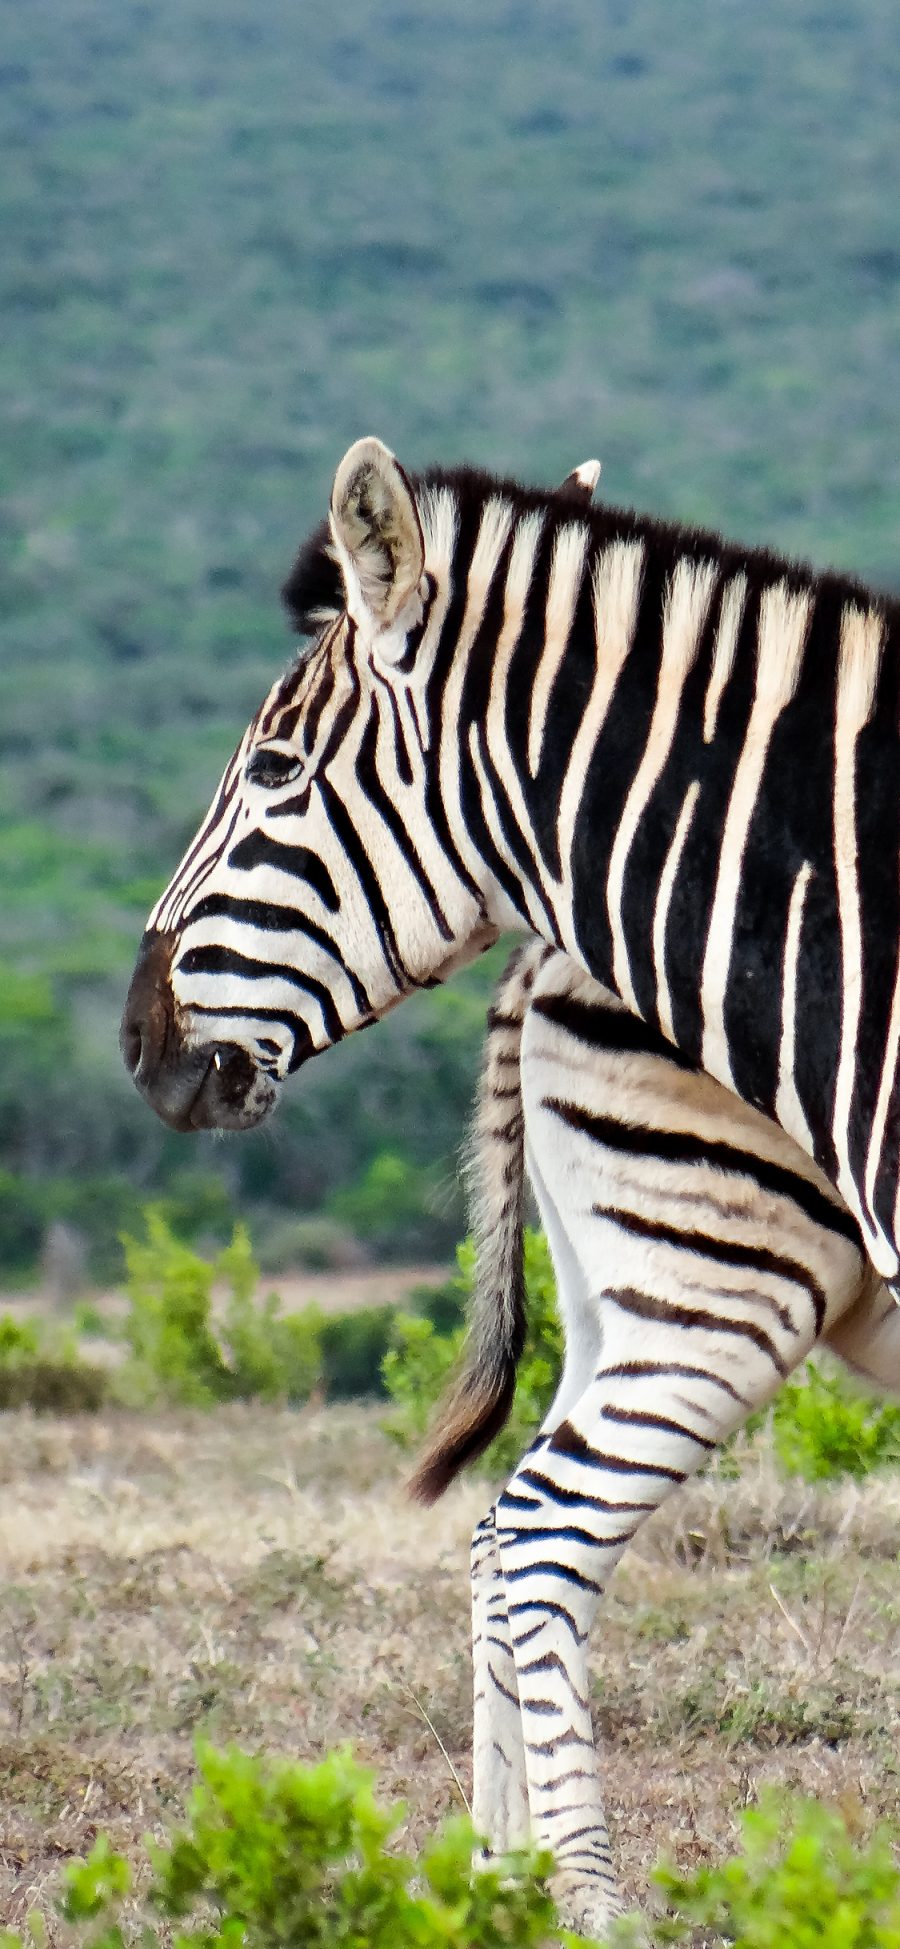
{"x": 326, "y": 881}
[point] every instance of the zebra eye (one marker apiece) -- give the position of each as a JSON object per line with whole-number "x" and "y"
{"x": 269, "y": 767}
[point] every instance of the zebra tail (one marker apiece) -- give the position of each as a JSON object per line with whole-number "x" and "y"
{"x": 480, "y": 1399}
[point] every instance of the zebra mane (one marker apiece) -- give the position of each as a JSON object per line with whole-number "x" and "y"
{"x": 313, "y": 593}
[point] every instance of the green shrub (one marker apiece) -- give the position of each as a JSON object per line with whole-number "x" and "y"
{"x": 824, "y": 1428}
{"x": 388, "y": 1205}
{"x": 20, "y": 1340}
{"x": 296, "y": 1340}
{"x": 182, "y": 1355}
{"x": 354, "y": 1346}
{"x": 443, "y": 1305}
{"x": 40, "y": 1369}
{"x": 54, "y": 1387}
{"x": 416, "y": 1370}
{"x": 799, "y": 1882}
{"x": 277, "y": 1855}
{"x": 186, "y": 1353}
{"x": 175, "y": 1356}
{"x": 270, "y": 1356}
{"x": 419, "y": 1365}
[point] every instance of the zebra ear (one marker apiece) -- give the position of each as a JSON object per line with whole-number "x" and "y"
{"x": 376, "y": 529}
{"x": 580, "y": 484}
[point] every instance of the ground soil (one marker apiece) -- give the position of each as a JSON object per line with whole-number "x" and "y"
{"x": 260, "y": 1576}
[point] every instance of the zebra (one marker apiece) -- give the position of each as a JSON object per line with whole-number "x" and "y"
{"x": 638, "y": 742}
{"x": 699, "y": 1255}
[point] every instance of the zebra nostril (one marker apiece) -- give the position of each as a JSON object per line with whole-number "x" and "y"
{"x": 132, "y": 1044}
{"x": 147, "y": 1016}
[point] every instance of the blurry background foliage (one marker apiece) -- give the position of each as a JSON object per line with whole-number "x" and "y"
{"x": 234, "y": 239}
{"x": 195, "y": 1332}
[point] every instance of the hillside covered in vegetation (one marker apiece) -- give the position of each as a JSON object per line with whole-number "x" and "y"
{"x": 236, "y": 238}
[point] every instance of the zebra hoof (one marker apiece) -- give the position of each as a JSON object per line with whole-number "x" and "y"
{"x": 583, "y": 1907}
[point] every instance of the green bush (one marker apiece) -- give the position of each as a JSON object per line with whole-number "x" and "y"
{"x": 40, "y": 1369}
{"x": 799, "y": 1882}
{"x": 270, "y": 1356}
{"x": 419, "y": 1365}
{"x": 20, "y": 1340}
{"x": 54, "y": 1387}
{"x": 416, "y": 1370}
{"x": 824, "y": 1428}
{"x": 276, "y": 1855}
{"x": 388, "y": 1206}
{"x": 184, "y": 1352}
{"x": 22, "y": 1221}
{"x": 182, "y": 1355}
{"x": 354, "y": 1346}
{"x": 175, "y": 1356}
{"x": 444, "y": 1305}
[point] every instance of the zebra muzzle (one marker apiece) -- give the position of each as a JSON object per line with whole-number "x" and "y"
{"x": 216, "y": 1086}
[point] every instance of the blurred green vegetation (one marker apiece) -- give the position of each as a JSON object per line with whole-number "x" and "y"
{"x": 234, "y": 240}
{"x": 426, "y": 1355}
{"x": 197, "y": 1331}
{"x": 276, "y": 1855}
{"x": 180, "y": 1354}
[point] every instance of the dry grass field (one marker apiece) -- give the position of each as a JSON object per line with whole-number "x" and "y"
{"x": 260, "y": 1577}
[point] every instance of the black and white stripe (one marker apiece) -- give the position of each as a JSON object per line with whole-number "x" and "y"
{"x": 699, "y": 1256}
{"x": 674, "y": 759}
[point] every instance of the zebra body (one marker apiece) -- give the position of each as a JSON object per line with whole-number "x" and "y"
{"x": 699, "y": 1256}
{"x": 675, "y": 760}
{"x": 639, "y": 742}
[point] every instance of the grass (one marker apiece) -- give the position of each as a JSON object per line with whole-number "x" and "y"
{"x": 258, "y": 1576}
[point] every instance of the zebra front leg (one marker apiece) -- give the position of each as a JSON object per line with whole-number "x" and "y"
{"x": 646, "y": 1422}
{"x": 499, "y": 1787}
{"x": 555, "y": 1563}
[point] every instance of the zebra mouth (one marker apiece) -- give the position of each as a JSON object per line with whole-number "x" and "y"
{"x": 233, "y": 1095}
{"x": 210, "y": 1089}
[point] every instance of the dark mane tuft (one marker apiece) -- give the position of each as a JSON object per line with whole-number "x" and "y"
{"x": 314, "y": 591}
{"x": 472, "y": 486}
